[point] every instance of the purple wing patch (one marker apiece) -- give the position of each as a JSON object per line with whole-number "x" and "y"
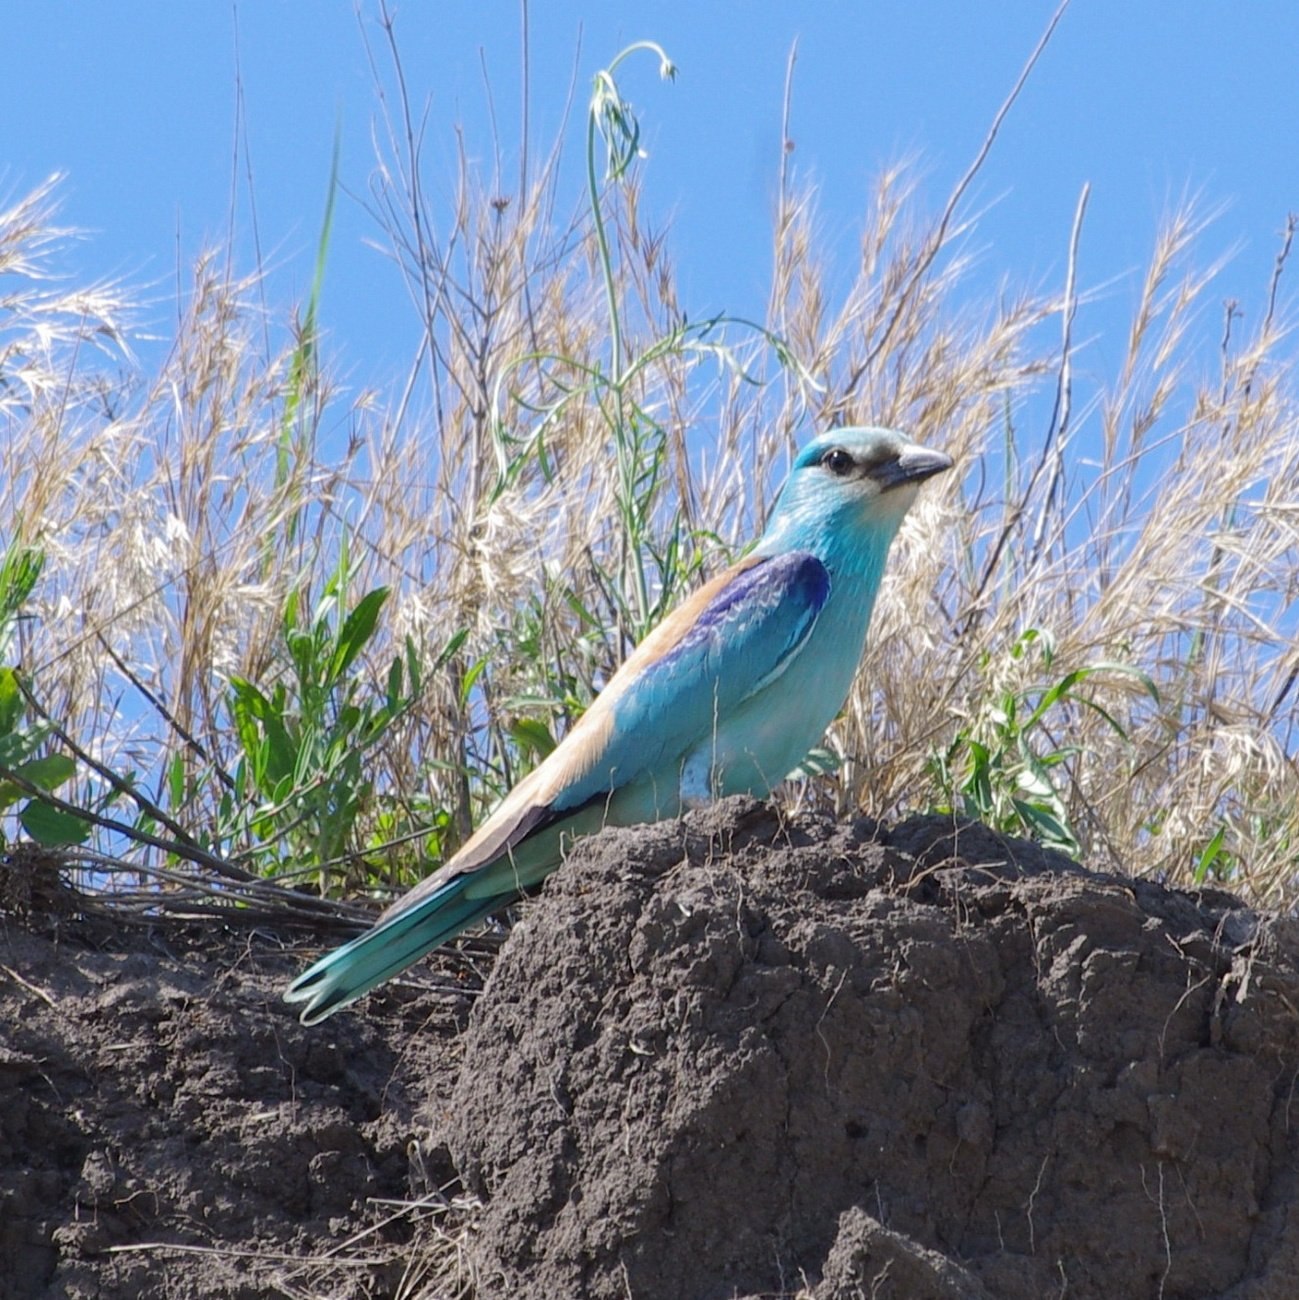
{"x": 797, "y": 579}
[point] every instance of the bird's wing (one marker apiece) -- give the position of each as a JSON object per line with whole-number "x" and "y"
{"x": 728, "y": 640}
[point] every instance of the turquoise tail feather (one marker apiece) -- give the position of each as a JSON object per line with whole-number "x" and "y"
{"x": 345, "y": 974}
{"x": 421, "y": 921}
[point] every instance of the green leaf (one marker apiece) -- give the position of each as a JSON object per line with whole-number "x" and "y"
{"x": 1130, "y": 670}
{"x": 357, "y": 629}
{"x": 16, "y": 746}
{"x": 47, "y": 825}
{"x": 532, "y": 736}
{"x": 11, "y": 701}
{"x": 584, "y": 615}
{"x": 471, "y": 676}
{"x": 977, "y": 786}
{"x": 414, "y": 673}
{"x": 247, "y": 696}
{"x": 393, "y": 697}
{"x": 1049, "y": 829}
{"x": 347, "y": 723}
{"x": 262, "y": 732}
{"x": 176, "y": 781}
{"x": 19, "y": 572}
{"x": 1035, "y": 783}
{"x": 49, "y": 772}
{"x": 1049, "y": 697}
{"x": 1209, "y": 856}
{"x": 1065, "y": 686}
{"x": 1113, "y": 723}
{"x": 292, "y": 610}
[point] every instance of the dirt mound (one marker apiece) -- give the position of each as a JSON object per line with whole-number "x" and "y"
{"x": 722, "y": 1057}
{"x": 737, "y": 1056}
{"x": 168, "y": 1129}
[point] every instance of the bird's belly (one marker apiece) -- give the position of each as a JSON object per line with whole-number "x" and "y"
{"x": 755, "y": 748}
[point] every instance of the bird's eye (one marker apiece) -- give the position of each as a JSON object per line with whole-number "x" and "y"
{"x": 837, "y": 461}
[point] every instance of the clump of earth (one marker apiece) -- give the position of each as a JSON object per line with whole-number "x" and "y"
{"x": 738, "y": 1055}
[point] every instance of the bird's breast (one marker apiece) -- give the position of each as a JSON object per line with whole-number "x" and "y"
{"x": 770, "y": 734}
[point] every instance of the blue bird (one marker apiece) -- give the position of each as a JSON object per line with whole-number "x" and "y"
{"x": 726, "y": 696}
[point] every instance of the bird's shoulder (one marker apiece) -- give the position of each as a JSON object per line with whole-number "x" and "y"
{"x": 755, "y": 583}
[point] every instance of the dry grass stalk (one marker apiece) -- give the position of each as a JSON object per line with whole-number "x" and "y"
{"x": 173, "y": 530}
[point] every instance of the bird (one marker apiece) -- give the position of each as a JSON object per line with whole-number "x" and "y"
{"x": 727, "y": 695}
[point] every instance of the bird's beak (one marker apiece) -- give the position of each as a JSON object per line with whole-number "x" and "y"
{"x": 913, "y": 465}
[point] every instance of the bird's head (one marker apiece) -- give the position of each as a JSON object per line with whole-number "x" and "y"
{"x": 847, "y": 484}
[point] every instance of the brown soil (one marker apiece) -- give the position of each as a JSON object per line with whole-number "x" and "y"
{"x": 732, "y": 1056}
{"x": 168, "y": 1129}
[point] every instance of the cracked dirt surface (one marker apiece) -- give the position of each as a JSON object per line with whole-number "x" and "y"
{"x": 749, "y": 1058}
{"x": 728, "y": 1057}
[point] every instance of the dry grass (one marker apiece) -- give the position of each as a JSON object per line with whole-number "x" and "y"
{"x": 1153, "y": 524}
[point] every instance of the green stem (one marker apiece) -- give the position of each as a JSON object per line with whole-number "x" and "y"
{"x": 606, "y": 92}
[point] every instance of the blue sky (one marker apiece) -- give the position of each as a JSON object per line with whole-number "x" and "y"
{"x": 1149, "y": 102}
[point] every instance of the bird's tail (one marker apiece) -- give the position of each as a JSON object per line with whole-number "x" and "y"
{"x": 343, "y": 975}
